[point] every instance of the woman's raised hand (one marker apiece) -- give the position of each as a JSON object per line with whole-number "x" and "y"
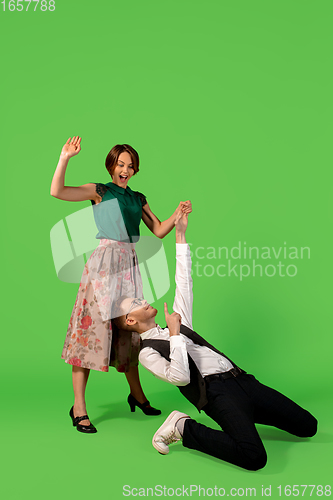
{"x": 72, "y": 147}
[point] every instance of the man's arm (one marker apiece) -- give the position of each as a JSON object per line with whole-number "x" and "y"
{"x": 176, "y": 371}
{"x": 183, "y": 303}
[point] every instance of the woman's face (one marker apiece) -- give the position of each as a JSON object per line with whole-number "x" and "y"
{"x": 123, "y": 170}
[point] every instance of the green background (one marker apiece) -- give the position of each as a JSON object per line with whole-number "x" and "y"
{"x": 229, "y": 104}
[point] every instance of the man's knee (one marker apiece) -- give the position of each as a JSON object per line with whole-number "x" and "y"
{"x": 308, "y": 427}
{"x": 256, "y": 461}
{"x": 259, "y": 462}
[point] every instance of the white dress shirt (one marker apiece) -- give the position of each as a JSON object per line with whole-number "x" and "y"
{"x": 176, "y": 371}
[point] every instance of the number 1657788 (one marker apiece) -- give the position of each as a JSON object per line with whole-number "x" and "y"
{"x": 23, "y": 5}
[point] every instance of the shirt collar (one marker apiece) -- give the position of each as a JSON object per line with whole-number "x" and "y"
{"x": 118, "y": 189}
{"x": 149, "y": 333}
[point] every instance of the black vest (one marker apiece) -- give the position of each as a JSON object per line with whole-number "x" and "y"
{"x": 195, "y": 391}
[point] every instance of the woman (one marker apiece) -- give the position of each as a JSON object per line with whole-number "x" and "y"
{"x": 92, "y": 341}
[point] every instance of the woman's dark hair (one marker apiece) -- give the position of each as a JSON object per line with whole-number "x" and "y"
{"x": 113, "y": 155}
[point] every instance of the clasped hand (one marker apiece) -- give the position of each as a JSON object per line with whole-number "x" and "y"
{"x": 184, "y": 207}
{"x": 181, "y": 220}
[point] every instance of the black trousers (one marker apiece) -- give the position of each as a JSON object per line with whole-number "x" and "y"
{"x": 236, "y": 404}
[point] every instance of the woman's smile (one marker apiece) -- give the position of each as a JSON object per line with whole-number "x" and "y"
{"x": 124, "y": 170}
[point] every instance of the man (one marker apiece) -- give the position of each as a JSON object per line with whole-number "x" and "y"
{"x": 207, "y": 378}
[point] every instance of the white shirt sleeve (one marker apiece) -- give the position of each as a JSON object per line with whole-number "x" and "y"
{"x": 183, "y": 303}
{"x": 177, "y": 370}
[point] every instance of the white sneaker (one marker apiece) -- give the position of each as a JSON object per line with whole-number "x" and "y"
{"x": 168, "y": 433}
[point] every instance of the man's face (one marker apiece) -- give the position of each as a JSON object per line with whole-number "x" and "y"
{"x": 138, "y": 309}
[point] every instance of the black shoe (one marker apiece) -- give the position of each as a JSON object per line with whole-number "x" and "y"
{"x": 89, "y": 429}
{"x": 147, "y": 410}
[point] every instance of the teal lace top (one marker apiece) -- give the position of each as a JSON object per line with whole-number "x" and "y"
{"x": 119, "y": 214}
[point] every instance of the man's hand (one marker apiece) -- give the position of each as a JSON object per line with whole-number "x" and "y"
{"x": 181, "y": 222}
{"x": 186, "y": 206}
{"x": 173, "y": 321}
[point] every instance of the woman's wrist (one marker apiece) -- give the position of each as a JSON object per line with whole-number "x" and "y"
{"x": 63, "y": 157}
{"x": 174, "y": 215}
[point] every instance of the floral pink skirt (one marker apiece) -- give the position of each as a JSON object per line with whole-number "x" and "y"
{"x": 112, "y": 270}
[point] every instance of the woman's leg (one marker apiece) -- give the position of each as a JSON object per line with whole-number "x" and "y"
{"x": 125, "y": 349}
{"x": 134, "y": 382}
{"x": 80, "y": 378}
